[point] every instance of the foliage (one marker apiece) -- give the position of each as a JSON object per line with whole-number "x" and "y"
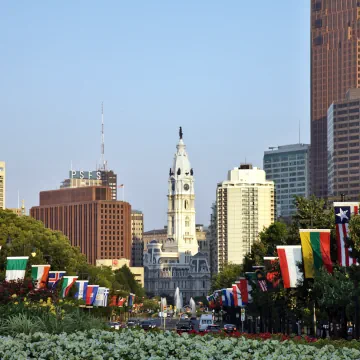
{"x": 225, "y": 278}
{"x": 150, "y": 305}
{"x": 125, "y": 280}
{"x": 137, "y": 344}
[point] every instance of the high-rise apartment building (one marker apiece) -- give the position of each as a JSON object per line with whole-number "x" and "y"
{"x": 344, "y": 147}
{"x": 288, "y": 166}
{"x": 335, "y": 68}
{"x": 137, "y": 229}
{"x": 79, "y": 178}
{"x": 245, "y": 204}
{"x": 2, "y": 184}
{"x": 98, "y": 225}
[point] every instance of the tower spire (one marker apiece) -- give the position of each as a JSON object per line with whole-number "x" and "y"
{"x": 103, "y": 161}
{"x": 180, "y": 133}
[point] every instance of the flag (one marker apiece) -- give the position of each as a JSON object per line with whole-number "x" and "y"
{"x": 81, "y": 288}
{"x": 68, "y": 282}
{"x": 315, "y": 245}
{"x": 121, "y": 186}
{"x": 91, "y": 293}
{"x": 40, "y": 273}
{"x": 243, "y": 286}
{"x": 236, "y": 295}
{"x": 121, "y": 301}
{"x": 113, "y": 301}
{"x": 260, "y": 276}
{"x": 273, "y": 277}
{"x": 343, "y": 213}
{"x": 132, "y": 298}
{"x": 106, "y": 295}
{"x": 15, "y": 267}
{"x": 289, "y": 256}
{"x": 262, "y": 285}
{"x": 54, "y": 278}
{"x": 99, "y": 300}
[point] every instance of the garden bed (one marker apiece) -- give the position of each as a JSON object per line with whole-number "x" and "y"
{"x": 136, "y": 344}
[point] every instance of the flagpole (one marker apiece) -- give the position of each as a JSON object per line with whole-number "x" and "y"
{"x": 123, "y": 188}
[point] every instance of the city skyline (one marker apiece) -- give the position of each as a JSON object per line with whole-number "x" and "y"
{"x": 151, "y": 82}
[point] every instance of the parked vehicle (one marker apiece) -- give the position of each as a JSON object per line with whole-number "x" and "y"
{"x": 184, "y": 325}
{"x": 114, "y": 325}
{"x": 229, "y": 328}
{"x": 148, "y": 324}
{"x": 215, "y": 329}
{"x": 133, "y": 323}
{"x": 205, "y": 321}
{"x": 184, "y": 316}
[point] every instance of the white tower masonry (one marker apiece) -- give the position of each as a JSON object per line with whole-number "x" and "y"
{"x": 181, "y": 205}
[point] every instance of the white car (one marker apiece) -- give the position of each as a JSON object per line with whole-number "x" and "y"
{"x": 205, "y": 321}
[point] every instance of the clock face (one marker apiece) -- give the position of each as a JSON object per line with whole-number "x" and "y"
{"x": 186, "y": 187}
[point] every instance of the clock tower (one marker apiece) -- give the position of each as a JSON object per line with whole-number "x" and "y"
{"x": 181, "y": 205}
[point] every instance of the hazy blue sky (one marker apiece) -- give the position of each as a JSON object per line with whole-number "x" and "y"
{"x": 234, "y": 74}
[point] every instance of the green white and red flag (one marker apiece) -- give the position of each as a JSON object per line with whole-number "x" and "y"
{"x": 16, "y": 267}
{"x": 68, "y": 282}
{"x": 39, "y": 274}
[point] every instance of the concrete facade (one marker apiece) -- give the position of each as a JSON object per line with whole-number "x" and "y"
{"x": 137, "y": 229}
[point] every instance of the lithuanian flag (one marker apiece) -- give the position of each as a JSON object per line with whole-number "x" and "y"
{"x": 315, "y": 246}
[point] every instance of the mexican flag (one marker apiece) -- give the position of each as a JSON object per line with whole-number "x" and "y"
{"x": 68, "y": 282}
{"x": 39, "y": 273}
{"x": 316, "y": 250}
{"x": 289, "y": 257}
{"x": 15, "y": 267}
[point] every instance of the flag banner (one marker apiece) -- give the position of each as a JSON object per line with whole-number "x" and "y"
{"x": 91, "y": 293}
{"x": 229, "y": 297}
{"x": 343, "y": 213}
{"x": 121, "y": 301}
{"x": 245, "y": 290}
{"x": 113, "y": 301}
{"x": 236, "y": 295}
{"x": 273, "y": 277}
{"x": 315, "y": 245}
{"x": 81, "y": 288}
{"x": 289, "y": 256}
{"x": 54, "y": 278}
{"x": 132, "y": 298}
{"x": 106, "y": 295}
{"x": 16, "y": 267}
{"x": 99, "y": 300}
{"x": 68, "y": 282}
{"x": 40, "y": 273}
{"x": 261, "y": 279}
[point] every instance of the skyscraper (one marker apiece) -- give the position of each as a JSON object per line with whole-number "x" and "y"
{"x": 288, "y": 167}
{"x": 245, "y": 204}
{"x": 335, "y": 68}
{"x": 2, "y": 184}
{"x": 137, "y": 245}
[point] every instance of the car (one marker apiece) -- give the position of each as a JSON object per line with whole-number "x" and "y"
{"x": 133, "y": 323}
{"x": 184, "y": 316}
{"x": 229, "y": 328}
{"x": 114, "y": 325}
{"x": 184, "y": 325}
{"x": 205, "y": 321}
{"x": 148, "y": 325}
{"x": 214, "y": 329}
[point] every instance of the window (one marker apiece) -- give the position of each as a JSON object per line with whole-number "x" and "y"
{"x": 187, "y": 221}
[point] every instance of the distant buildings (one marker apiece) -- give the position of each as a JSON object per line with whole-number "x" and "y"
{"x": 2, "y": 184}
{"x": 289, "y": 167}
{"x": 343, "y": 147}
{"x": 92, "y": 220}
{"x": 245, "y": 204}
{"x": 335, "y": 63}
{"x": 177, "y": 262}
{"x": 137, "y": 229}
{"x": 79, "y": 178}
{"x": 212, "y": 238}
{"x": 21, "y": 211}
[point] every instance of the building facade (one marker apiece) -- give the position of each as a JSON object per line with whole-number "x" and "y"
{"x": 79, "y": 178}
{"x": 137, "y": 246}
{"x": 289, "y": 167}
{"x": 344, "y": 147}
{"x": 245, "y": 204}
{"x": 212, "y": 236}
{"x": 98, "y": 225}
{"x": 335, "y": 63}
{"x": 178, "y": 262}
{"x": 2, "y": 184}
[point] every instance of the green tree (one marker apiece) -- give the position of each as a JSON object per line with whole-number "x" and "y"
{"x": 125, "y": 280}
{"x": 226, "y": 277}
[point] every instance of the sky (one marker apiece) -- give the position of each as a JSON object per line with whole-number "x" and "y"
{"x": 234, "y": 74}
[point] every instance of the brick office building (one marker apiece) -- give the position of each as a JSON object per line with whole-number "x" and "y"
{"x": 98, "y": 225}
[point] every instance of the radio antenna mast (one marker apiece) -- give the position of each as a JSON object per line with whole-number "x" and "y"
{"x": 103, "y": 162}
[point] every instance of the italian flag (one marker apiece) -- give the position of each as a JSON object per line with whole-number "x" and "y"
{"x": 68, "y": 282}
{"x": 40, "y": 273}
{"x": 316, "y": 250}
{"x": 15, "y": 267}
{"x": 289, "y": 257}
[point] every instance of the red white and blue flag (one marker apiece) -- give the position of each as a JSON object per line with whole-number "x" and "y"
{"x": 81, "y": 288}
{"x": 54, "y": 278}
{"x": 343, "y": 213}
{"x": 243, "y": 286}
{"x": 236, "y": 295}
{"x": 91, "y": 292}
